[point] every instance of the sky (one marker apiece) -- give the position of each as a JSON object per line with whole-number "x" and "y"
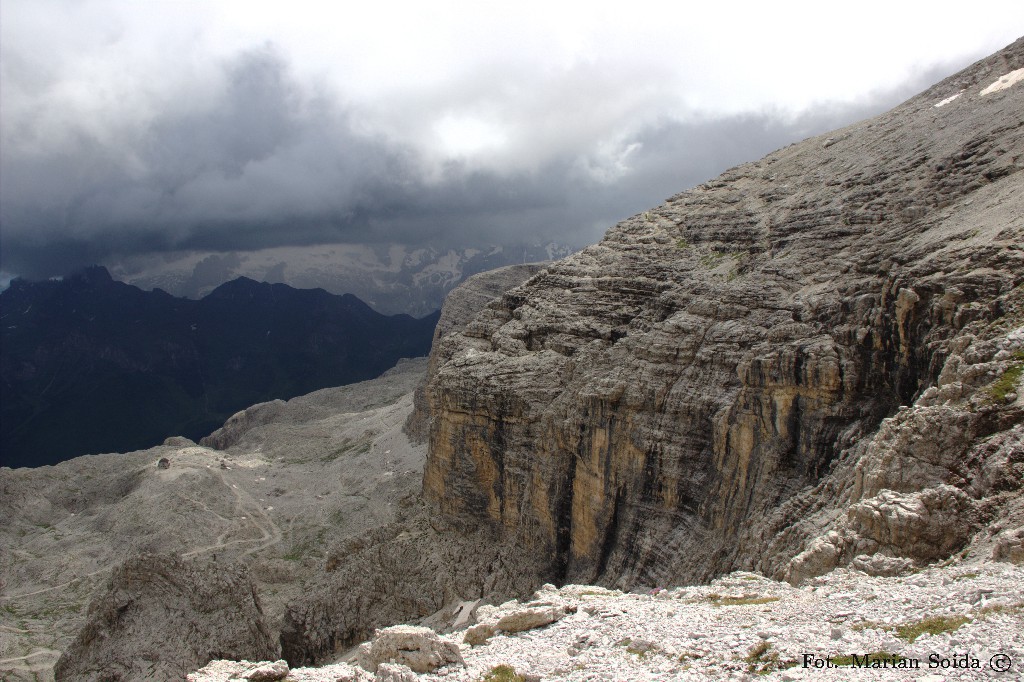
{"x": 154, "y": 127}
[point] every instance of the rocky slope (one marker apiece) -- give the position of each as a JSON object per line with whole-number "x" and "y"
{"x": 290, "y": 477}
{"x": 962, "y": 621}
{"x": 810, "y": 362}
{"x": 214, "y": 612}
{"x": 809, "y": 359}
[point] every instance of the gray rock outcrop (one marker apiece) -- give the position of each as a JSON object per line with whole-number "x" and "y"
{"x": 162, "y": 617}
{"x": 418, "y": 648}
{"x": 512, "y": 617}
{"x": 461, "y": 306}
{"x": 717, "y": 384}
{"x": 402, "y": 572}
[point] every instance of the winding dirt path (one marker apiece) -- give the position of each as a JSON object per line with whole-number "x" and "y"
{"x": 249, "y": 509}
{"x": 11, "y": 597}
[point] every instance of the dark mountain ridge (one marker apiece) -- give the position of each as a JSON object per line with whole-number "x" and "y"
{"x": 89, "y": 364}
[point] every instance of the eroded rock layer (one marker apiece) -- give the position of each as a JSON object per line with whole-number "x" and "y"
{"x": 660, "y": 407}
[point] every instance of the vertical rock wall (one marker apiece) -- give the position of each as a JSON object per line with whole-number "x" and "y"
{"x": 638, "y": 411}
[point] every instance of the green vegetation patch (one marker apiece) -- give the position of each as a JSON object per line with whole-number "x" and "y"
{"x": 758, "y": 652}
{"x": 996, "y": 609}
{"x": 874, "y": 656}
{"x": 1007, "y": 383}
{"x": 763, "y": 659}
{"x": 349, "y": 447}
{"x": 296, "y": 553}
{"x": 502, "y": 673}
{"x": 719, "y": 600}
{"x": 933, "y": 625}
{"x": 712, "y": 259}
{"x": 639, "y": 648}
{"x": 306, "y": 547}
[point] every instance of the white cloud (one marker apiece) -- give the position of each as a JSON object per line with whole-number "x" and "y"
{"x": 548, "y": 73}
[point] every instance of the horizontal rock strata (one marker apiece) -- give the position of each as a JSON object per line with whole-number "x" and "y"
{"x": 658, "y": 408}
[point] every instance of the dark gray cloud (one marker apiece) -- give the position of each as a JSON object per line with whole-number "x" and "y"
{"x": 255, "y": 157}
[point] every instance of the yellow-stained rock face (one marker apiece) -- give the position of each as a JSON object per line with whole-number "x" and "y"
{"x": 638, "y": 411}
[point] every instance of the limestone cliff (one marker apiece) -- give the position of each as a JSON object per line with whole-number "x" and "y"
{"x": 665, "y": 405}
{"x": 460, "y": 308}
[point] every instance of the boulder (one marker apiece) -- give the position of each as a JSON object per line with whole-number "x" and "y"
{"x": 267, "y": 672}
{"x": 881, "y": 565}
{"x": 1009, "y": 546}
{"x": 927, "y": 525}
{"x": 419, "y": 648}
{"x": 513, "y": 617}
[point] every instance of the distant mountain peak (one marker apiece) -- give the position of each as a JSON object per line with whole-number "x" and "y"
{"x": 92, "y": 274}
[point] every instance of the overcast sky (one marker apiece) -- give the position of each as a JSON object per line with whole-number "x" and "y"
{"x": 135, "y": 127}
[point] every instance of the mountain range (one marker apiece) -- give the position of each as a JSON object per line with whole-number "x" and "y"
{"x": 392, "y": 278}
{"x": 93, "y": 365}
{"x": 800, "y": 384}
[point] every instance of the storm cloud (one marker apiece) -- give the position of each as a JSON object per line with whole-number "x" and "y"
{"x": 248, "y": 150}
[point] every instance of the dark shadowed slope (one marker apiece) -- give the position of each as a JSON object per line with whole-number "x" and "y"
{"x": 92, "y": 365}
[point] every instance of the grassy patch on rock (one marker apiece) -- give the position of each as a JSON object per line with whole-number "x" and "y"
{"x": 1007, "y": 383}
{"x": 502, "y": 673}
{"x": 932, "y": 625}
{"x": 763, "y": 659}
{"x": 719, "y": 600}
{"x": 996, "y": 609}
{"x": 875, "y": 656}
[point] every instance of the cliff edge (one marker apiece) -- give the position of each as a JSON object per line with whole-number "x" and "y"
{"x": 810, "y": 360}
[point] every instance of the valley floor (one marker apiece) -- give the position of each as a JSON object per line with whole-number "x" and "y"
{"x": 289, "y": 477}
